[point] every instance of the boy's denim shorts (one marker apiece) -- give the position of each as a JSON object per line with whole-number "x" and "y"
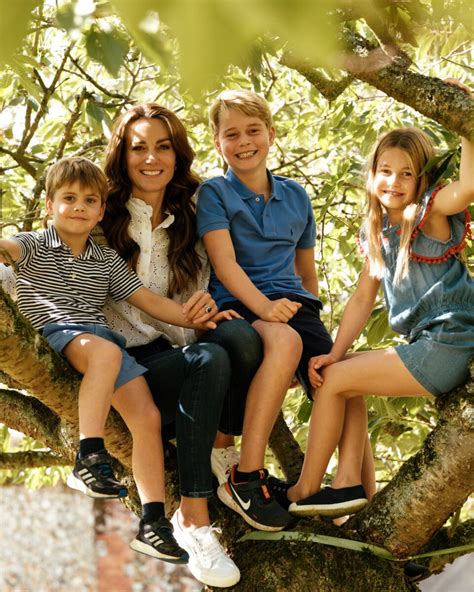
{"x": 439, "y": 355}
{"x": 60, "y": 334}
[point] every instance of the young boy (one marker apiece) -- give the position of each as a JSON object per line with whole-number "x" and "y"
{"x": 259, "y": 232}
{"x": 63, "y": 279}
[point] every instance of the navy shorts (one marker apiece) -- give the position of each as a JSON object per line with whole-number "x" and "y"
{"x": 306, "y": 322}
{"x": 60, "y": 334}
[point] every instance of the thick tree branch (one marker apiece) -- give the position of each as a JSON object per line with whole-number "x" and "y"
{"x": 27, "y": 358}
{"x": 30, "y": 459}
{"x": 330, "y": 89}
{"x": 430, "y": 486}
{"x": 29, "y": 416}
{"x": 387, "y": 69}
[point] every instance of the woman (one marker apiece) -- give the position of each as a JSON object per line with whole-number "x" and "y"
{"x": 150, "y": 221}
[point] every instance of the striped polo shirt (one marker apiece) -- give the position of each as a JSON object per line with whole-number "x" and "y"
{"x": 53, "y": 286}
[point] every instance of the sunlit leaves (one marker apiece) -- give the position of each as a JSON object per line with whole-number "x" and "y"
{"x": 108, "y": 47}
{"x": 215, "y": 33}
{"x": 14, "y": 23}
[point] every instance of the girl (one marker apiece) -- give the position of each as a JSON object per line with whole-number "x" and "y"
{"x": 412, "y": 239}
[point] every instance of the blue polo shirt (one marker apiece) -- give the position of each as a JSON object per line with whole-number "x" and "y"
{"x": 265, "y": 235}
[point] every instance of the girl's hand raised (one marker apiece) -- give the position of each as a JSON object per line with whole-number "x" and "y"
{"x": 316, "y": 364}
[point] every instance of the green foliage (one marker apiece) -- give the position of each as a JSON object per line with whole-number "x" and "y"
{"x": 32, "y": 478}
{"x": 74, "y": 66}
{"x": 14, "y": 25}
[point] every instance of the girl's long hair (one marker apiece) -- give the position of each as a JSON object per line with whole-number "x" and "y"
{"x": 184, "y": 261}
{"x": 419, "y": 149}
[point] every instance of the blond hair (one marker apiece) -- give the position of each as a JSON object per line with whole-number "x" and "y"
{"x": 245, "y": 101}
{"x": 67, "y": 171}
{"x": 419, "y": 150}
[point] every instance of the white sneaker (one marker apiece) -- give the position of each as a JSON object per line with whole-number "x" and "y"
{"x": 208, "y": 561}
{"x": 222, "y": 461}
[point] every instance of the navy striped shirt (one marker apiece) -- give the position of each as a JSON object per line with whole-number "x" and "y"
{"x": 53, "y": 286}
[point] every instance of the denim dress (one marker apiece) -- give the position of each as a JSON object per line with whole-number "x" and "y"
{"x": 433, "y": 306}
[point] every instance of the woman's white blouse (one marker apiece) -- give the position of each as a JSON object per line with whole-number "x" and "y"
{"x": 137, "y": 327}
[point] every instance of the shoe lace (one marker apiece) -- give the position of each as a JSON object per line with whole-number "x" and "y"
{"x": 208, "y": 544}
{"x": 232, "y": 456}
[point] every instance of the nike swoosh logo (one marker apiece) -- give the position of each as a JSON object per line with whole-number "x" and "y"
{"x": 245, "y": 505}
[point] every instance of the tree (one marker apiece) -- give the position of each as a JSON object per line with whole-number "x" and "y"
{"x": 80, "y": 64}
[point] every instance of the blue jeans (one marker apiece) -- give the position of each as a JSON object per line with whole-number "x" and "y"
{"x": 203, "y": 388}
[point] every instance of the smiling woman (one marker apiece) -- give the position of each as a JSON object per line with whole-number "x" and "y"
{"x": 151, "y": 161}
{"x": 200, "y": 385}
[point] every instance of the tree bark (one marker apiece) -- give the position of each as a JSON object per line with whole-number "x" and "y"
{"x": 403, "y": 517}
{"x": 430, "y": 486}
{"x": 388, "y": 69}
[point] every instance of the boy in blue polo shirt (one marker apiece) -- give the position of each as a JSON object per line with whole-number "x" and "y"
{"x": 63, "y": 279}
{"x": 259, "y": 232}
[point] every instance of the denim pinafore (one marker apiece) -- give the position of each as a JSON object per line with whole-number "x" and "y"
{"x": 433, "y": 306}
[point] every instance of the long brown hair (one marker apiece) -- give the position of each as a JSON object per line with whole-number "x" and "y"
{"x": 184, "y": 261}
{"x": 419, "y": 149}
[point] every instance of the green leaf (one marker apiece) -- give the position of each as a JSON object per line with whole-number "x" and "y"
{"x": 304, "y": 411}
{"x": 95, "y": 116}
{"x": 14, "y": 25}
{"x": 215, "y": 33}
{"x": 107, "y": 47}
{"x": 377, "y": 328}
{"x": 359, "y": 546}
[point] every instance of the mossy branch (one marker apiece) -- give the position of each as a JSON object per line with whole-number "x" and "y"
{"x": 30, "y": 459}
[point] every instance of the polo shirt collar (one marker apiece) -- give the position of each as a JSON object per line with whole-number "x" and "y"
{"x": 245, "y": 192}
{"x": 52, "y": 240}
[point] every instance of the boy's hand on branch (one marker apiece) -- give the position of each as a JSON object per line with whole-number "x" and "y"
{"x": 280, "y": 311}
{"x": 317, "y": 363}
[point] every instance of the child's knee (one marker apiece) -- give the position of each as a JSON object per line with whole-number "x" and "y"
{"x": 152, "y": 419}
{"x": 107, "y": 353}
{"x": 282, "y": 339}
{"x": 146, "y": 420}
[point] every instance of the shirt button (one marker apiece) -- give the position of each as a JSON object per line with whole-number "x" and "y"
{"x": 73, "y": 276}
{"x": 70, "y": 259}
{"x": 257, "y": 199}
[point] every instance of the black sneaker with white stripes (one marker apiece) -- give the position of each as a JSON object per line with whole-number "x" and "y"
{"x": 93, "y": 475}
{"x": 157, "y": 540}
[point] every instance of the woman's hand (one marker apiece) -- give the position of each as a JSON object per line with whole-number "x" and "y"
{"x": 200, "y": 307}
{"x": 223, "y": 315}
{"x": 316, "y": 364}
